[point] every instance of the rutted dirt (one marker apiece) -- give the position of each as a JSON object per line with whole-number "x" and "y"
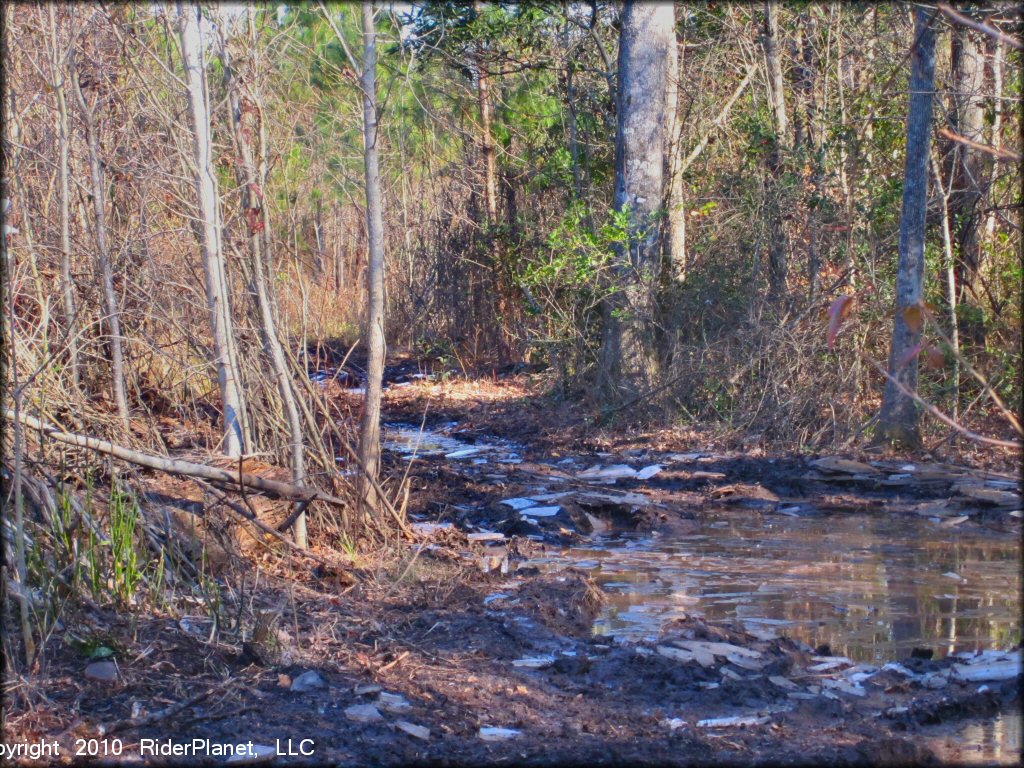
{"x": 433, "y": 651}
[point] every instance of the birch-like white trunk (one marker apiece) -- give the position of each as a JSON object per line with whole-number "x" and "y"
{"x": 210, "y": 231}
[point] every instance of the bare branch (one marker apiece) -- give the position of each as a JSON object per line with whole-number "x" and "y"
{"x": 986, "y": 29}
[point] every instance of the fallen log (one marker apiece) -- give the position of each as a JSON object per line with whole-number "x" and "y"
{"x": 181, "y": 467}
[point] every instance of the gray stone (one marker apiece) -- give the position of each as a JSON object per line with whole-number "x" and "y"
{"x": 308, "y": 681}
{"x": 102, "y": 672}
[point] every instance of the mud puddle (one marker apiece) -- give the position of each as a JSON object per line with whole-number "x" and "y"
{"x": 870, "y": 585}
{"x": 994, "y": 741}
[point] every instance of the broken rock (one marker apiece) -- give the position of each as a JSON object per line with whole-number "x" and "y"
{"x": 363, "y": 713}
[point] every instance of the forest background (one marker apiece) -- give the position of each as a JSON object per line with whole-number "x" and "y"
{"x": 187, "y": 232}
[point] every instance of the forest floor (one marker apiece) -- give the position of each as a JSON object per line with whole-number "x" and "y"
{"x": 459, "y": 652}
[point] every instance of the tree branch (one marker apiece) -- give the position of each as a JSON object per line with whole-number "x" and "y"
{"x": 179, "y": 466}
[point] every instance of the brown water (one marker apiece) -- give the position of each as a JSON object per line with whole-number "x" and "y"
{"x": 980, "y": 742}
{"x": 873, "y": 587}
{"x": 870, "y": 586}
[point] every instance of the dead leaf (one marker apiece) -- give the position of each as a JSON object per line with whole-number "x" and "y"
{"x": 913, "y": 316}
{"x": 936, "y": 358}
{"x": 909, "y": 355}
{"x": 844, "y": 466}
{"x": 838, "y": 311}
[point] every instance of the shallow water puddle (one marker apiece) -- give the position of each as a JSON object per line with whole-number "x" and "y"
{"x": 871, "y": 587}
{"x": 979, "y": 742}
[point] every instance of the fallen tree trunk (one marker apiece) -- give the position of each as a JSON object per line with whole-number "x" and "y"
{"x": 231, "y": 478}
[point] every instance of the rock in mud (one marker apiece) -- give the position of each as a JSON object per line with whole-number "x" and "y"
{"x": 308, "y": 681}
{"x": 102, "y": 672}
{"x": 392, "y": 702}
{"x": 416, "y": 731}
{"x": 488, "y": 733}
{"x": 363, "y": 713}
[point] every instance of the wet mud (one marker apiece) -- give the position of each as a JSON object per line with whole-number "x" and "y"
{"x": 483, "y": 643}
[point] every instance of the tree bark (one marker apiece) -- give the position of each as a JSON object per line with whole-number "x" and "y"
{"x": 113, "y": 312}
{"x": 897, "y": 421}
{"x": 486, "y": 137}
{"x": 971, "y": 170}
{"x": 675, "y": 239}
{"x": 57, "y": 82}
{"x": 628, "y": 359}
{"x": 210, "y": 231}
{"x": 373, "y": 331}
{"x": 252, "y": 204}
{"x": 777, "y": 242}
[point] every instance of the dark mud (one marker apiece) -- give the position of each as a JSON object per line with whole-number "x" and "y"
{"x": 419, "y": 659}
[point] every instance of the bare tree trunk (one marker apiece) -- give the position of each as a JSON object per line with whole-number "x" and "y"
{"x": 57, "y": 82}
{"x": 373, "y": 333}
{"x": 486, "y": 137}
{"x": 813, "y": 138}
{"x": 570, "y": 102}
{"x": 675, "y": 241}
{"x": 628, "y": 359}
{"x": 897, "y": 421}
{"x": 950, "y": 270}
{"x": 9, "y": 368}
{"x": 113, "y": 312}
{"x": 210, "y": 228}
{"x": 997, "y": 123}
{"x": 252, "y": 204}
{"x": 777, "y": 245}
{"x": 970, "y": 173}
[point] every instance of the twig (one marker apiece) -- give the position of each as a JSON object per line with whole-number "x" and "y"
{"x": 991, "y": 31}
{"x": 940, "y": 415}
{"x": 163, "y": 714}
{"x": 999, "y": 152}
{"x": 239, "y": 510}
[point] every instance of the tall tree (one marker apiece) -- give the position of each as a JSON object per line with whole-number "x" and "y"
{"x": 897, "y": 421}
{"x": 628, "y": 360}
{"x": 777, "y": 243}
{"x": 57, "y": 83}
{"x": 373, "y": 331}
{"x": 245, "y": 117}
{"x": 111, "y": 306}
{"x": 969, "y": 168}
{"x": 210, "y": 232}
{"x": 487, "y": 149}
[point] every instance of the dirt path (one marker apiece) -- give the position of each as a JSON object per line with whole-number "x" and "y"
{"x": 431, "y": 660}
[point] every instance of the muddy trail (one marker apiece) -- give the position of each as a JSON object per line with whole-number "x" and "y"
{"x": 580, "y": 598}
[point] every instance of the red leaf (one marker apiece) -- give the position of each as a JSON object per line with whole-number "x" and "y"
{"x": 254, "y": 220}
{"x": 909, "y": 355}
{"x": 838, "y": 311}
{"x": 256, "y": 190}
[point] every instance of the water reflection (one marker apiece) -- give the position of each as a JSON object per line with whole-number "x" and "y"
{"x": 870, "y": 586}
{"x": 987, "y": 742}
